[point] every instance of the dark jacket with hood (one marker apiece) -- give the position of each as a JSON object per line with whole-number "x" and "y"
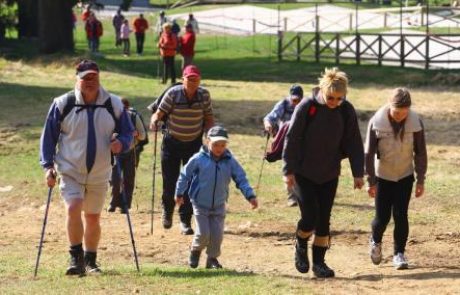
{"x": 320, "y": 137}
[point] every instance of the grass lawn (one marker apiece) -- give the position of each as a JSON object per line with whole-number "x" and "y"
{"x": 245, "y": 80}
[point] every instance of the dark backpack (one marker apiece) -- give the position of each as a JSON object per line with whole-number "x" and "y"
{"x": 133, "y": 115}
{"x": 153, "y": 107}
{"x": 70, "y": 104}
{"x": 276, "y": 150}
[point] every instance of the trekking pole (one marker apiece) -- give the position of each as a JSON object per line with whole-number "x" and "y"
{"x": 263, "y": 161}
{"x": 153, "y": 177}
{"x": 40, "y": 245}
{"x": 125, "y": 205}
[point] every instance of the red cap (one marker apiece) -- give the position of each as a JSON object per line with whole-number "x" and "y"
{"x": 190, "y": 71}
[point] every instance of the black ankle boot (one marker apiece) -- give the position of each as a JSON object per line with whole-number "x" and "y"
{"x": 301, "y": 255}
{"x": 90, "y": 263}
{"x": 77, "y": 265}
{"x": 320, "y": 268}
{"x": 194, "y": 258}
{"x": 213, "y": 263}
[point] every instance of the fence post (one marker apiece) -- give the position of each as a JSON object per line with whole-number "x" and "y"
{"x": 401, "y": 55}
{"x": 337, "y": 48}
{"x": 358, "y": 49}
{"x": 298, "y": 47}
{"x": 253, "y": 25}
{"x": 380, "y": 50}
{"x": 317, "y": 39}
{"x": 285, "y": 24}
{"x": 350, "y": 26}
{"x": 280, "y": 45}
{"x": 427, "y": 52}
{"x": 385, "y": 19}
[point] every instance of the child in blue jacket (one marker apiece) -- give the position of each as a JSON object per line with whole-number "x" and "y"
{"x": 206, "y": 178}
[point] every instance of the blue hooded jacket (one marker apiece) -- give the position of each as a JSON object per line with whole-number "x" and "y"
{"x": 207, "y": 180}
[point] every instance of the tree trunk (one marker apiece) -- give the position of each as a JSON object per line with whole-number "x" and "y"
{"x": 27, "y": 18}
{"x": 55, "y": 25}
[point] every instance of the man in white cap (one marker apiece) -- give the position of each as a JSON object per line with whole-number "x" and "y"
{"x": 82, "y": 129}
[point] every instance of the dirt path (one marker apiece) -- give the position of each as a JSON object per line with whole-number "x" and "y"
{"x": 254, "y": 248}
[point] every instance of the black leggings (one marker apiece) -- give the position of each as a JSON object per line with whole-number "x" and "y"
{"x": 392, "y": 196}
{"x": 315, "y": 203}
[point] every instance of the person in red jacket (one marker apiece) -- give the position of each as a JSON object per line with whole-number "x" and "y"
{"x": 85, "y": 14}
{"x": 94, "y": 31}
{"x": 168, "y": 45}
{"x": 187, "y": 46}
{"x": 140, "y": 26}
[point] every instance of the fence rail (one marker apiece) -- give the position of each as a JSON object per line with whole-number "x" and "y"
{"x": 418, "y": 49}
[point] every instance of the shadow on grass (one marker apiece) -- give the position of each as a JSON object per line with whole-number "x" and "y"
{"x": 355, "y": 206}
{"x": 195, "y": 273}
{"x": 222, "y": 65}
{"x": 445, "y": 273}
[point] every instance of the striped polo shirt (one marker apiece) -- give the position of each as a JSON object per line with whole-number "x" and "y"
{"x": 185, "y": 117}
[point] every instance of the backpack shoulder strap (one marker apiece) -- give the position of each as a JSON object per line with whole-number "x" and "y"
{"x": 108, "y": 105}
{"x": 70, "y": 104}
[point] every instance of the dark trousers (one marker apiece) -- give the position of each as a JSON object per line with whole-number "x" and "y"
{"x": 315, "y": 204}
{"x": 392, "y": 196}
{"x": 174, "y": 153}
{"x": 127, "y": 164}
{"x": 169, "y": 69}
{"x": 126, "y": 46}
{"x": 140, "y": 37}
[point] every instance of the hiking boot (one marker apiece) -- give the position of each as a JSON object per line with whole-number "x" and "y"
{"x": 301, "y": 257}
{"x": 123, "y": 211}
{"x": 321, "y": 270}
{"x": 77, "y": 265}
{"x": 90, "y": 263}
{"x": 167, "y": 219}
{"x": 375, "y": 252}
{"x": 111, "y": 209}
{"x": 186, "y": 229}
{"x": 400, "y": 261}
{"x": 194, "y": 258}
{"x": 213, "y": 263}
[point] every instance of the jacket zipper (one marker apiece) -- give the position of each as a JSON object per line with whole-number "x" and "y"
{"x": 215, "y": 184}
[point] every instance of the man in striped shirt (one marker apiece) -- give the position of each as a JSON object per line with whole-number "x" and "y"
{"x": 189, "y": 113}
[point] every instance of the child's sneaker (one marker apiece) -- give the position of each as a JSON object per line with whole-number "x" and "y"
{"x": 194, "y": 259}
{"x": 400, "y": 261}
{"x": 375, "y": 251}
{"x": 213, "y": 263}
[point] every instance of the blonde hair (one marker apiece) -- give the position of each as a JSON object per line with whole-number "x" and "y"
{"x": 166, "y": 25}
{"x": 333, "y": 80}
{"x": 400, "y": 98}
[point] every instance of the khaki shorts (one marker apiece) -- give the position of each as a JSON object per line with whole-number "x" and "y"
{"x": 93, "y": 195}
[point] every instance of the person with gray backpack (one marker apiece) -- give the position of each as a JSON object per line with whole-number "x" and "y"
{"x": 82, "y": 129}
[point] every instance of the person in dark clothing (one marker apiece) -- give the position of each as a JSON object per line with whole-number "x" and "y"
{"x": 189, "y": 113}
{"x": 127, "y": 162}
{"x": 117, "y": 21}
{"x": 175, "y": 28}
{"x": 324, "y": 129}
{"x": 396, "y": 135}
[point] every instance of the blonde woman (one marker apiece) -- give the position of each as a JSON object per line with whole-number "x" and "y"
{"x": 324, "y": 130}
{"x": 395, "y": 149}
